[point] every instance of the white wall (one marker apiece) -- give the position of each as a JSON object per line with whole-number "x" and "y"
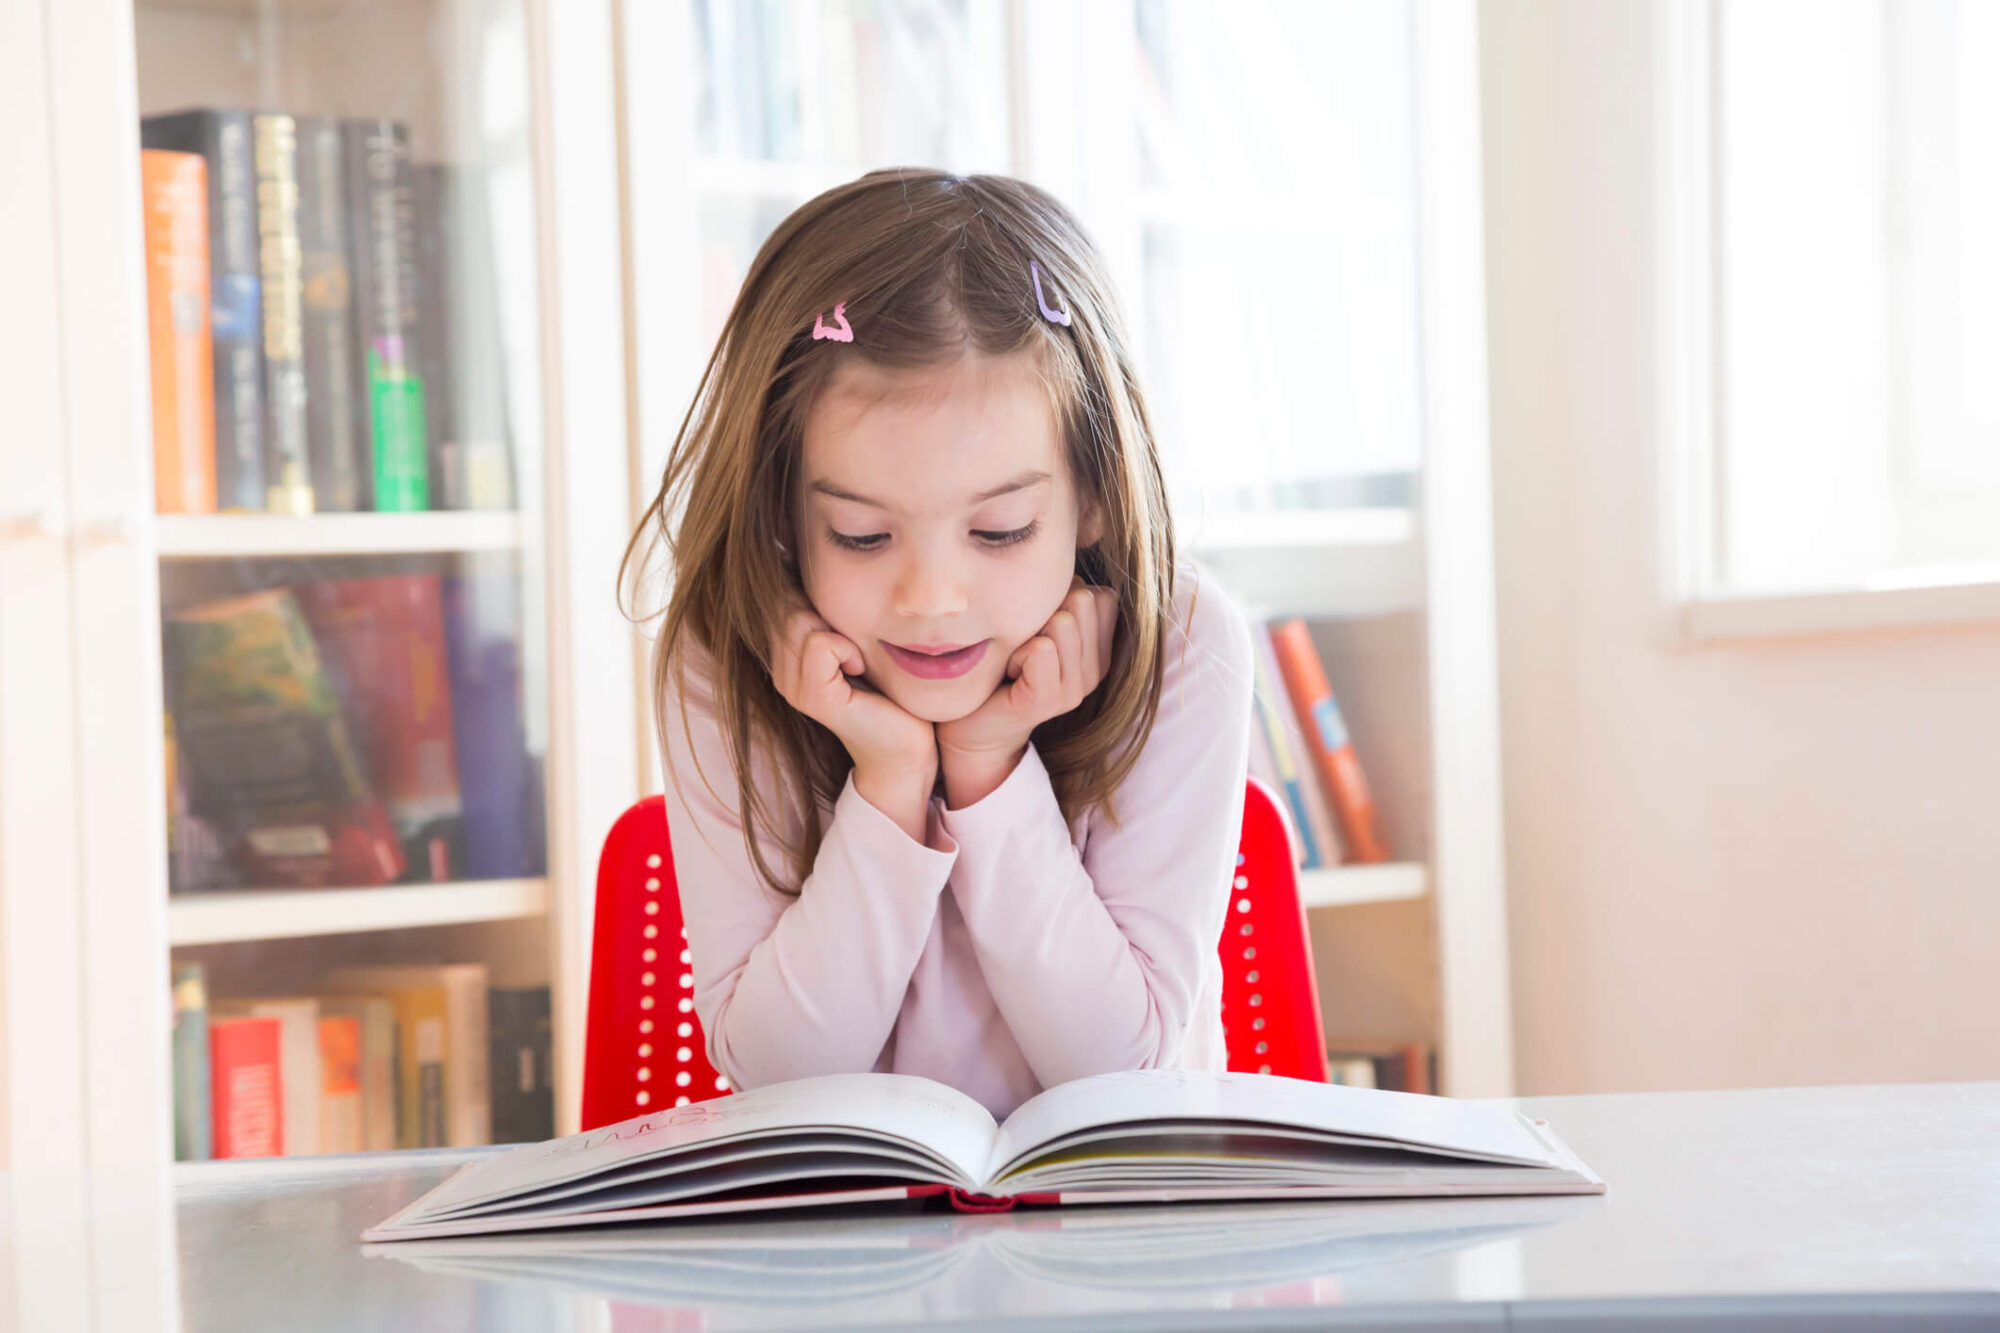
{"x": 1755, "y": 865}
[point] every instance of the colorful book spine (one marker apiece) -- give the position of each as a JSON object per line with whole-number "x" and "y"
{"x": 382, "y": 204}
{"x": 193, "y": 1129}
{"x": 384, "y": 638}
{"x": 522, "y": 1077}
{"x": 1327, "y": 739}
{"x": 336, "y": 428}
{"x": 1288, "y": 751}
{"x": 298, "y": 1062}
{"x": 235, "y": 306}
{"x": 287, "y": 467}
{"x": 340, "y": 1112}
{"x": 247, "y": 1094}
{"x": 265, "y": 752}
{"x": 499, "y": 796}
{"x": 175, "y": 187}
{"x": 375, "y": 1020}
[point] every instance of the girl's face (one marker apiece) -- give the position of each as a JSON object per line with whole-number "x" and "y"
{"x": 937, "y": 523}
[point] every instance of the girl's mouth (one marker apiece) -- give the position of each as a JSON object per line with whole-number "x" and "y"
{"x": 939, "y": 665}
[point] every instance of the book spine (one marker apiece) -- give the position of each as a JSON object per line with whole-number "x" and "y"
{"x": 247, "y": 684}
{"x": 175, "y": 189}
{"x": 1288, "y": 750}
{"x": 381, "y": 197}
{"x": 287, "y": 468}
{"x": 432, "y": 186}
{"x": 381, "y": 1085}
{"x": 468, "y": 1080}
{"x": 496, "y": 782}
{"x": 222, "y": 137}
{"x": 385, "y": 639}
{"x": 336, "y": 432}
{"x": 427, "y": 1075}
{"x": 248, "y": 1097}
{"x": 1326, "y": 736}
{"x": 340, "y": 1126}
{"x": 193, "y": 1128}
{"x": 523, "y": 1080}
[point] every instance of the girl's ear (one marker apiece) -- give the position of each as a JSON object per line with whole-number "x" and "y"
{"x": 1090, "y": 524}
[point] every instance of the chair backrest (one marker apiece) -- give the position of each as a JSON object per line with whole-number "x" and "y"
{"x": 644, "y": 1048}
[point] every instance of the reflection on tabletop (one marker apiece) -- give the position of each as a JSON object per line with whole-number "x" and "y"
{"x": 905, "y": 1263}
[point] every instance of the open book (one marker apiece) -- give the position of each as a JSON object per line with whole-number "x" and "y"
{"x": 1159, "y": 1136}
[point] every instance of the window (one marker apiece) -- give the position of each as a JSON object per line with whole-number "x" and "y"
{"x": 1837, "y": 182}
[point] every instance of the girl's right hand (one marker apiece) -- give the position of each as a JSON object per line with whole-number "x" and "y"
{"x": 811, "y": 665}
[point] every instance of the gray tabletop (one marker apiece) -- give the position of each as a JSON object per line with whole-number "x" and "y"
{"x": 1785, "y": 1208}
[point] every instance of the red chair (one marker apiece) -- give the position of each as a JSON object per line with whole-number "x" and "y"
{"x": 643, "y": 1045}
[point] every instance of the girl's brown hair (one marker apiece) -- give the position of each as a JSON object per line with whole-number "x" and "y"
{"x": 930, "y": 266}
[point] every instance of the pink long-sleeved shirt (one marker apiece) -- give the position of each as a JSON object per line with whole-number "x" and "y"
{"x": 1006, "y": 953}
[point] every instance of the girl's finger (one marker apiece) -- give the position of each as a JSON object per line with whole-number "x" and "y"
{"x": 1084, "y": 607}
{"x": 1068, "y": 638}
{"x": 1041, "y": 674}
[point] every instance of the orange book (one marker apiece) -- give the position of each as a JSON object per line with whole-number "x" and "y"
{"x": 340, "y": 1128}
{"x": 175, "y": 188}
{"x": 1326, "y": 736}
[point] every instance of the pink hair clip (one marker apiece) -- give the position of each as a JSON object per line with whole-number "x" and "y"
{"x": 1052, "y": 316}
{"x": 842, "y": 332}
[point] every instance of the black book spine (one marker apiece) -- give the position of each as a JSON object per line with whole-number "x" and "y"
{"x": 287, "y": 469}
{"x": 434, "y": 185}
{"x": 336, "y": 425}
{"x": 235, "y": 301}
{"x": 522, "y": 1083}
{"x": 383, "y": 260}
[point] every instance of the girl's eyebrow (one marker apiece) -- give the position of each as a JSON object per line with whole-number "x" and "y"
{"x": 1032, "y": 477}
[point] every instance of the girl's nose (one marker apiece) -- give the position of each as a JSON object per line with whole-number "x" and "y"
{"x": 930, "y": 586}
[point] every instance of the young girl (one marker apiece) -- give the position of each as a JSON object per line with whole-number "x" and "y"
{"x": 956, "y": 751}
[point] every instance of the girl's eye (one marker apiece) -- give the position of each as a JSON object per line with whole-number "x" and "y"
{"x": 1009, "y": 538}
{"x": 865, "y": 542}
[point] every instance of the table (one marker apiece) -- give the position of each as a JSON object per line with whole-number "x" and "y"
{"x": 1800, "y": 1208}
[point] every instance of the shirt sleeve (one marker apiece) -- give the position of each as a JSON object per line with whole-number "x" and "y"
{"x": 1095, "y": 959}
{"x": 788, "y": 987}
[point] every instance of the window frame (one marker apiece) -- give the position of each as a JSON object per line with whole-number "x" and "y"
{"x": 1689, "y": 373}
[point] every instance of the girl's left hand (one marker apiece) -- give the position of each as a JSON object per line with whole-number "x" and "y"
{"x": 1046, "y": 677}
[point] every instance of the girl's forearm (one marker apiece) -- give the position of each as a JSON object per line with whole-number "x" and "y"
{"x": 903, "y": 794}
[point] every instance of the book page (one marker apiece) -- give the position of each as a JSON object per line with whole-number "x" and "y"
{"x": 1182, "y": 1095}
{"x": 950, "y": 1125}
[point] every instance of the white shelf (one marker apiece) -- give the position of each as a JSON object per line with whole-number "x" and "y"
{"x": 1302, "y": 529}
{"x": 273, "y": 914}
{"x": 194, "y": 536}
{"x": 1331, "y": 563}
{"x": 1342, "y": 886}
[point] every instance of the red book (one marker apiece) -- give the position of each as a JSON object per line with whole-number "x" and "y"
{"x": 246, "y": 1091}
{"x": 1326, "y": 737}
{"x": 384, "y": 638}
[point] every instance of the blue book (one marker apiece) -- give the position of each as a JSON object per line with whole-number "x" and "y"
{"x": 502, "y": 814}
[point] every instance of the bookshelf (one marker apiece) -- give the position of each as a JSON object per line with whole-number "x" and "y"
{"x": 509, "y": 105}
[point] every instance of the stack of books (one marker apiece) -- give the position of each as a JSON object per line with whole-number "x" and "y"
{"x": 375, "y": 1058}
{"x": 323, "y": 323}
{"x": 350, "y": 732}
{"x": 1300, "y": 748}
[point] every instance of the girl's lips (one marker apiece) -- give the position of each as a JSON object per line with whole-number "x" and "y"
{"x": 940, "y": 666}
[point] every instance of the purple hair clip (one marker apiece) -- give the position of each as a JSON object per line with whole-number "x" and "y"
{"x": 842, "y": 332}
{"x": 1052, "y": 316}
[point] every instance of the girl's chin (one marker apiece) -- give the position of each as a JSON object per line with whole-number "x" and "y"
{"x": 941, "y": 700}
